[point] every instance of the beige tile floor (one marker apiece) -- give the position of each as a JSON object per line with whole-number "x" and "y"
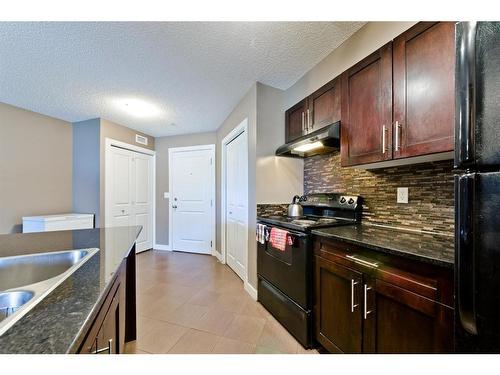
{"x": 190, "y": 303}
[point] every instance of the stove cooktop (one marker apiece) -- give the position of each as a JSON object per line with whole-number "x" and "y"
{"x": 304, "y": 223}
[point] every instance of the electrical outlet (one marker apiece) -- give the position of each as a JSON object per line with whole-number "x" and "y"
{"x": 402, "y": 195}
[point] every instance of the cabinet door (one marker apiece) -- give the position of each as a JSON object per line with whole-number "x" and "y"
{"x": 399, "y": 321}
{"x": 424, "y": 89}
{"x": 338, "y": 307}
{"x": 366, "y": 130}
{"x": 295, "y": 121}
{"x": 107, "y": 338}
{"x": 324, "y": 106}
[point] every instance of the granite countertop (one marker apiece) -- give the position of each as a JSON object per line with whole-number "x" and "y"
{"x": 426, "y": 247}
{"x": 54, "y": 324}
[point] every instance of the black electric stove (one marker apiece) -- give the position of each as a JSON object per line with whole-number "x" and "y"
{"x": 285, "y": 277}
{"x": 303, "y": 223}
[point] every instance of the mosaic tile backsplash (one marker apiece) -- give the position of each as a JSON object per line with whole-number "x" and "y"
{"x": 430, "y": 205}
{"x": 272, "y": 209}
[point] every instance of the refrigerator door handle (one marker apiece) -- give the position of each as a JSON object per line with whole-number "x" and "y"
{"x": 465, "y": 252}
{"x": 465, "y": 103}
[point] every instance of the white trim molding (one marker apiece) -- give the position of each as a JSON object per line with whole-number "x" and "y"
{"x": 160, "y": 247}
{"x": 171, "y": 150}
{"x": 250, "y": 290}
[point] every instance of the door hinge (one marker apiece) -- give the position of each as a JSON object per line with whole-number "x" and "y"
{"x": 211, "y": 203}
{"x": 210, "y": 244}
{"x": 210, "y": 161}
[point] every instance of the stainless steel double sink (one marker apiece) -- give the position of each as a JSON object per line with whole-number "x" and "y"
{"x": 26, "y": 279}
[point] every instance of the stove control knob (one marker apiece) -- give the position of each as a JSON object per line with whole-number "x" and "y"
{"x": 342, "y": 200}
{"x": 350, "y": 201}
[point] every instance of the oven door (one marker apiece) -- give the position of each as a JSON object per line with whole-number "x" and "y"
{"x": 290, "y": 271}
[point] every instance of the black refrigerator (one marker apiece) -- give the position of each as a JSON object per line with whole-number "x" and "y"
{"x": 477, "y": 187}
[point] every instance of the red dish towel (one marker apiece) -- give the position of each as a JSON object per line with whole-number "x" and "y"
{"x": 279, "y": 238}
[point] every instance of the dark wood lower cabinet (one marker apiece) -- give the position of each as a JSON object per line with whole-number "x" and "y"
{"x": 399, "y": 321}
{"x": 388, "y": 308}
{"x": 338, "y": 317}
{"x": 115, "y": 322}
{"x": 104, "y": 336}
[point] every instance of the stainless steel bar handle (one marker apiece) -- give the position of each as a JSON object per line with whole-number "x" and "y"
{"x": 362, "y": 261}
{"x": 465, "y": 98}
{"x": 383, "y": 139}
{"x": 352, "y": 295}
{"x": 309, "y": 125}
{"x": 365, "y": 305}
{"x": 398, "y": 128}
{"x": 109, "y": 348}
{"x": 303, "y": 122}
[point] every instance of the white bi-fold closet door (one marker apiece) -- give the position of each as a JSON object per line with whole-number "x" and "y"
{"x": 236, "y": 205}
{"x": 129, "y": 192}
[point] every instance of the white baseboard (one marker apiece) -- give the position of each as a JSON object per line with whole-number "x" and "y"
{"x": 250, "y": 290}
{"x": 218, "y": 256}
{"x": 158, "y": 246}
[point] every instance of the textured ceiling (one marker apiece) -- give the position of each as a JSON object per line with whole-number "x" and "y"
{"x": 195, "y": 72}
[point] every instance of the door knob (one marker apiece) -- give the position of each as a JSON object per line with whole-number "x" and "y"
{"x": 123, "y": 211}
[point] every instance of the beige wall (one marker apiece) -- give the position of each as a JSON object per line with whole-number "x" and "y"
{"x": 246, "y": 108}
{"x": 366, "y": 40}
{"x": 163, "y": 144}
{"x": 278, "y": 179}
{"x": 35, "y": 166}
{"x": 120, "y": 133}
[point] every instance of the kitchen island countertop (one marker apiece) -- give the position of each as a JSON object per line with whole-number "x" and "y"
{"x": 56, "y": 324}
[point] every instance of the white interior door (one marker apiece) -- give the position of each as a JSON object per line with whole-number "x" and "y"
{"x": 129, "y": 192}
{"x": 237, "y": 204}
{"x": 191, "y": 177}
{"x": 119, "y": 189}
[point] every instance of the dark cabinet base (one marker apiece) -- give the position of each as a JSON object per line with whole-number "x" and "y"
{"x": 115, "y": 322}
{"x": 379, "y": 303}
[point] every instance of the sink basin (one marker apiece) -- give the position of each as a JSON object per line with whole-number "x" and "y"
{"x": 23, "y": 270}
{"x": 10, "y": 302}
{"x": 25, "y": 280}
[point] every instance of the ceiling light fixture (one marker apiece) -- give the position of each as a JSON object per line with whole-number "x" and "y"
{"x": 138, "y": 108}
{"x": 308, "y": 147}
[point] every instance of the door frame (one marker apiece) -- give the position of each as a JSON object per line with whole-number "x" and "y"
{"x": 238, "y": 130}
{"x": 110, "y": 142}
{"x": 171, "y": 150}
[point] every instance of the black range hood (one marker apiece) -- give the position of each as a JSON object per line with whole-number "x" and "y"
{"x": 321, "y": 141}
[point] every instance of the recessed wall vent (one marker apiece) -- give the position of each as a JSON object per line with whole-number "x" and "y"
{"x": 141, "y": 139}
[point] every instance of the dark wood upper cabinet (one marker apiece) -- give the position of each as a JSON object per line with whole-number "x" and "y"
{"x": 295, "y": 117}
{"x": 318, "y": 110}
{"x": 324, "y": 106}
{"x": 366, "y": 129}
{"x": 424, "y": 92}
{"x": 338, "y": 307}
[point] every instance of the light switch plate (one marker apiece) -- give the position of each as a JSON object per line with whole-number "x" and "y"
{"x": 166, "y": 195}
{"x": 402, "y": 195}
